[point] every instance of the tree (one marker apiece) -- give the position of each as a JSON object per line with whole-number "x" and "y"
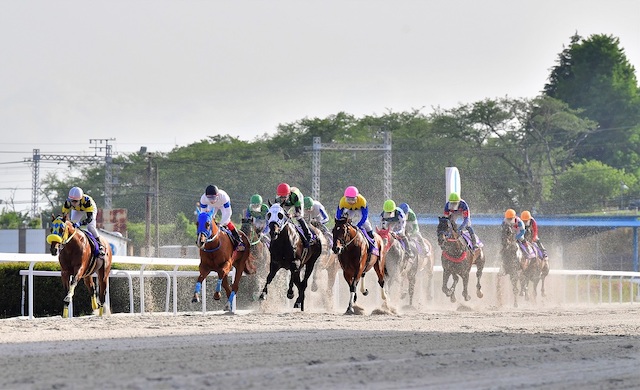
{"x": 594, "y": 75}
{"x": 588, "y": 186}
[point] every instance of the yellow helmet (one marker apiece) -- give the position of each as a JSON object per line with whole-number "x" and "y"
{"x": 510, "y": 213}
{"x": 525, "y": 215}
{"x": 389, "y": 206}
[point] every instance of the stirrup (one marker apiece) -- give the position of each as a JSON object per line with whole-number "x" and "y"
{"x": 240, "y": 247}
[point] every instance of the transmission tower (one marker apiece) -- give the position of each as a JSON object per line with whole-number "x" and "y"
{"x": 318, "y": 146}
{"x": 108, "y": 182}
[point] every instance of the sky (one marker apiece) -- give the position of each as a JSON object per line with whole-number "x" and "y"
{"x": 163, "y": 73}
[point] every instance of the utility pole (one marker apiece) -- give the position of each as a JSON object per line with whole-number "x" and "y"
{"x": 147, "y": 231}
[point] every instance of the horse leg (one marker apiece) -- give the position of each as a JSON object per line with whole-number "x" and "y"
{"x": 204, "y": 272}
{"x": 379, "y": 268}
{"x": 350, "y": 278}
{"x": 545, "y": 272}
{"x": 465, "y": 286}
{"x": 91, "y": 286}
{"x": 513, "y": 276}
{"x": 103, "y": 284}
{"x": 302, "y": 288}
{"x": 65, "y": 277}
{"x": 273, "y": 270}
{"x": 445, "y": 280}
{"x": 480, "y": 268}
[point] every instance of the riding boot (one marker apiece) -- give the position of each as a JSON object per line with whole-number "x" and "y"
{"x": 102, "y": 251}
{"x": 236, "y": 236}
{"x": 407, "y": 246}
{"x": 305, "y": 231}
{"x": 474, "y": 240}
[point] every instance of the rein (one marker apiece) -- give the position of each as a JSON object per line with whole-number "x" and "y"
{"x": 210, "y": 239}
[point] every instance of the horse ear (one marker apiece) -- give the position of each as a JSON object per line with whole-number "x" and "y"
{"x": 269, "y": 202}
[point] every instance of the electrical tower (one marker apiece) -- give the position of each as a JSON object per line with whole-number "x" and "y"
{"x": 108, "y": 182}
{"x": 385, "y": 147}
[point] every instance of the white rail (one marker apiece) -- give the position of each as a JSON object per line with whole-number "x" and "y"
{"x": 581, "y": 279}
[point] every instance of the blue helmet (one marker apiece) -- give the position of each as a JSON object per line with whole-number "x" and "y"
{"x": 405, "y": 207}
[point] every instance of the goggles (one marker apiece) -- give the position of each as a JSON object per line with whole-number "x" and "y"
{"x": 351, "y": 199}
{"x": 73, "y": 201}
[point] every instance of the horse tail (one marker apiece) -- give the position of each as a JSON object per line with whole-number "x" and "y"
{"x": 245, "y": 256}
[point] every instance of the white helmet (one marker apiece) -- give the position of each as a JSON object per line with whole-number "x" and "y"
{"x": 76, "y": 193}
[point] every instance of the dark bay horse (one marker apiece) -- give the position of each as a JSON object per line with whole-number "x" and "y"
{"x": 217, "y": 254}
{"x": 287, "y": 251}
{"x": 351, "y": 246}
{"x": 457, "y": 259}
{"x": 79, "y": 259}
{"x": 513, "y": 260}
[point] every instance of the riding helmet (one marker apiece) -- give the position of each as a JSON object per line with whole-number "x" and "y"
{"x": 76, "y": 193}
{"x": 389, "y": 206}
{"x": 510, "y": 213}
{"x": 211, "y": 190}
{"x": 525, "y": 215}
{"x": 283, "y": 189}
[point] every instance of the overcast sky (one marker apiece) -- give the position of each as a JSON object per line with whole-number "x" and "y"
{"x": 169, "y": 73}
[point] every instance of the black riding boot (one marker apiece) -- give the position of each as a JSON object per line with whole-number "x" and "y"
{"x": 305, "y": 231}
{"x": 474, "y": 240}
{"x": 236, "y": 236}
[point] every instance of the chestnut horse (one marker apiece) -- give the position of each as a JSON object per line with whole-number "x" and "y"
{"x": 536, "y": 270}
{"x": 457, "y": 259}
{"x": 79, "y": 259}
{"x": 513, "y": 260}
{"x": 287, "y": 251}
{"x": 351, "y": 246}
{"x": 217, "y": 254}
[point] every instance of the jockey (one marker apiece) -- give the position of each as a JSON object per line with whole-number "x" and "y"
{"x": 214, "y": 200}
{"x": 257, "y": 213}
{"x": 510, "y": 217}
{"x": 291, "y": 198}
{"x": 354, "y": 205}
{"x": 316, "y": 213}
{"x": 412, "y": 228}
{"x": 394, "y": 218}
{"x": 531, "y": 231}
{"x": 457, "y": 207}
{"x": 82, "y": 210}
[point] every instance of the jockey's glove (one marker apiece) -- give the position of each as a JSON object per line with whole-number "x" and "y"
{"x": 76, "y": 225}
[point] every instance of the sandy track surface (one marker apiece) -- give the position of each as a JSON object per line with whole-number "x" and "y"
{"x": 585, "y": 347}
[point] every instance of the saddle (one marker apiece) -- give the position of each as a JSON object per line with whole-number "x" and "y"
{"x": 93, "y": 242}
{"x": 528, "y": 249}
{"x": 373, "y": 249}
{"x": 467, "y": 238}
{"x": 226, "y": 231}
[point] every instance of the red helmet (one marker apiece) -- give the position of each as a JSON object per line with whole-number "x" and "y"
{"x": 283, "y": 189}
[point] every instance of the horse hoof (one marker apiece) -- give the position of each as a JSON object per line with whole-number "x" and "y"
{"x": 467, "y": 297}
{"x": 350, "y": 311}
{"x": 216, "y": 296}
{"x": 479, "y": 294}
{"x": 365, "y": 292}
{"x": 297, "y": 306}
{"x": 453, "y": 299}
{"x": 290, "y": 295}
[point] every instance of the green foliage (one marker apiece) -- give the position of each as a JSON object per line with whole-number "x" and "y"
{"x": 587, "y": 186}
{"x": 595, "y": 76}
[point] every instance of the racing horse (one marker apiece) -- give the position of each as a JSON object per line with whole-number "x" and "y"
{"x": 78, "y": 255}
{"x": 535, "y": 271}
{"x": 328, "y": 261}
{"x": 288, "y": 251}
{"x": 351, "y": 245}
{"x": 259, "y": 246}
{"x": 457, "y": 259}
{"x": 217, "y": 254}
{"x": 426, "y": 260}
{"x": 399, "y": 267}
{"x": 513, "y": 260}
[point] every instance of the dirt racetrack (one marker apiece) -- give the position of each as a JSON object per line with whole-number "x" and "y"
{"x": 596, "y": 347}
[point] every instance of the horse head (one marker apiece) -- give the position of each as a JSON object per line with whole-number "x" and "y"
{"x": 60, "y": 232}
{"x": 205, "y": 228}
{"x": 342, "y": 235}
{"x": 276, "y": 219}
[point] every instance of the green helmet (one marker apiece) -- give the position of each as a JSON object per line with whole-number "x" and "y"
{"x": 389, "y": 206}
{"x": 256, "y": 199}
{"x": 454, "y": 197}
{"x": 308, "y": 202}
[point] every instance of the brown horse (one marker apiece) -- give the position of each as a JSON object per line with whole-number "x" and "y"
{"x": 79, "y": 259}
{"x": 217, "y": 254}
{"x": 288, "y": 251}
{"x": 351, "y": 246}
{"x": 535, "y": 271}
{"x": 457, "y": 259}
{"x": 259, "y": 244}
